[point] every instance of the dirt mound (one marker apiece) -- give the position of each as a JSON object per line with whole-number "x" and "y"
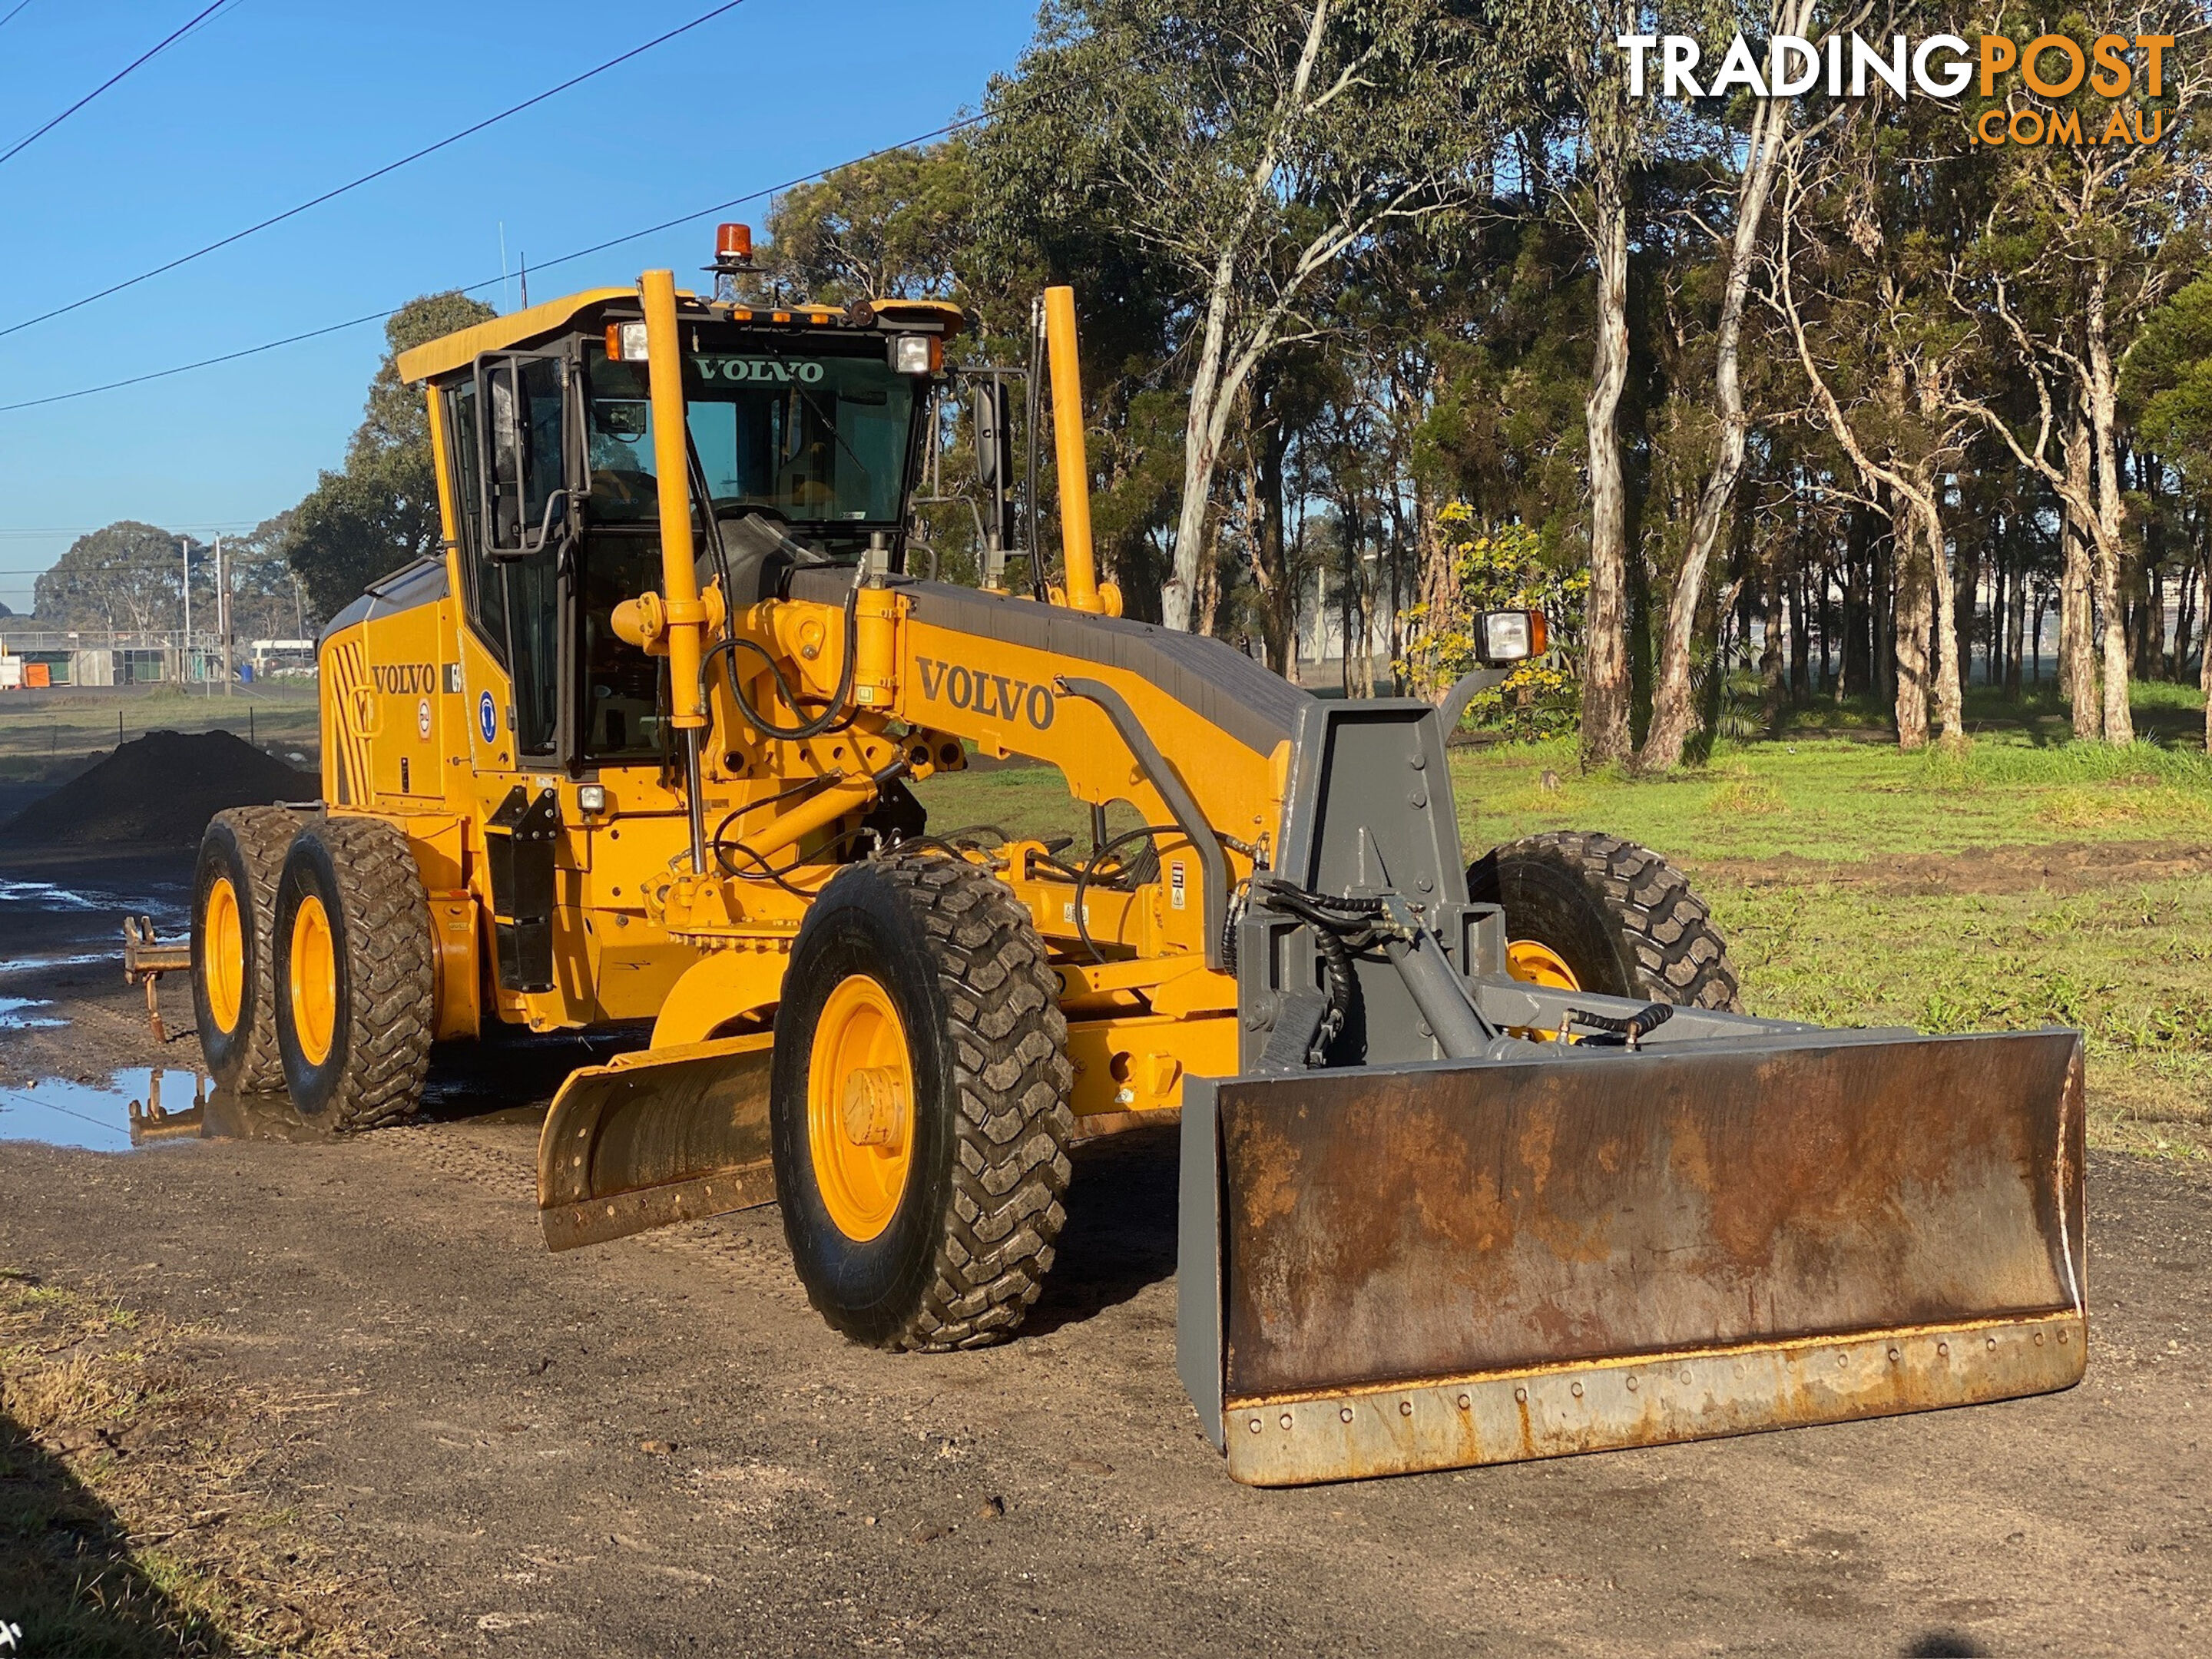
{"x": 158, "y": 791}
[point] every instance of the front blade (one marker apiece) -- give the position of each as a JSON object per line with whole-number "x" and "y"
{"x": 1435, "y": 1265}
{"x": 660, "y": 1136}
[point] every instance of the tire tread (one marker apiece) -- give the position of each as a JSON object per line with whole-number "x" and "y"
{"x": 391, "y": 982}
{"x": 1008, "y": 1043}
{"x": 262, "y": 834}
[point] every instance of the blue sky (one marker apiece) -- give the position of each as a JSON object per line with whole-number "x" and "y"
{"x": 272, "y": 101}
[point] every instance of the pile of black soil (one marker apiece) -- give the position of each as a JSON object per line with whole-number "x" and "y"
{"x": 156, "y": 792}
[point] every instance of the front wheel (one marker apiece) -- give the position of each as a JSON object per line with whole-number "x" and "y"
{"x": 919, "y": 1105}
{"x": 354, "y": 993}
{"x": 1588, "y": 912}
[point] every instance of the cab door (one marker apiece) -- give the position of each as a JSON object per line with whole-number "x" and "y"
{"x": 528, "y": 519}
{"x": 512, "y": 442}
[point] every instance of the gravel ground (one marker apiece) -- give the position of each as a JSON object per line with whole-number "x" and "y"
{"x": 655, "y": 1447}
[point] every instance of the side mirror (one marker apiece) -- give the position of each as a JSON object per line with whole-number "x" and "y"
{"x": 994, "y": 456}
{"x": 522, "y": 422}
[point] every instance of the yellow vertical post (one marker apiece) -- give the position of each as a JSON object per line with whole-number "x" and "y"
{"x": 1067, "y": 443}
{"x": 679, "y": 575}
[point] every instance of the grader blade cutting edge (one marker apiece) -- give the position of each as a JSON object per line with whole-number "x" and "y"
{"x": 656, "y": 1137}
{"x": 1438, "y": 1265}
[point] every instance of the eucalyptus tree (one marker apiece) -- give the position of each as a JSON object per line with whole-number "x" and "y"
{"x": 381, "y": 510}
{"x": 895, "y": 226}
{"x": 1869, "y": 221}
{"x": 2084, "y": 242}
{"x": 1755, "y": 159}
{"x": 1255, "y": 148}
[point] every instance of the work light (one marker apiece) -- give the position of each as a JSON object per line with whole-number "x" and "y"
{"x": 1512, "y": 635}
{"x": 915, "y": 354}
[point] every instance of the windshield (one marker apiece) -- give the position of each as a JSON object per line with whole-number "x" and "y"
{"x": 818, "y": 437}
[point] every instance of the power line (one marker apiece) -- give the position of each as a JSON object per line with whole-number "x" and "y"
{"x": 368, "y": 178}
{"x": 24, "y": 143}
{"x": 11, "y": 17}
{"x": 945, "y": 131}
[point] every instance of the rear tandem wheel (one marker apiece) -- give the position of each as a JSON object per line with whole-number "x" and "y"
{"x": 919, "y": 1105}
{"x": 234, "y": 947}
{"x": 354, "y": 991}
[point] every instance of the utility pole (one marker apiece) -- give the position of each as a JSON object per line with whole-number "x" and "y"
{"x": 222, "y": 617}
{"x": 185, "y": 657}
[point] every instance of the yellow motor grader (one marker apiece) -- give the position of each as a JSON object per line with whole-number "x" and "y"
{"x": 1479, "y": 1162}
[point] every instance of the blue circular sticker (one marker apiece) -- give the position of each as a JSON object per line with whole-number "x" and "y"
{"x": 488, "y": 717}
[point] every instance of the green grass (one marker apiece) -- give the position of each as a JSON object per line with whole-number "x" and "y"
{"x": 1860, "y": 886}
{"x": 2130, "y": 965}
{"x": 1833, "y": 800}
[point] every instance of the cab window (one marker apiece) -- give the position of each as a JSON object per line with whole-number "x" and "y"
{"x": 484, "y": 588}
{"x": 819, "y": 436}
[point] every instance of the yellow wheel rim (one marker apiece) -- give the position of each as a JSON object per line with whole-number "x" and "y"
{"x": 314, "y": 981}
{"x": 223, "y": 954}
{"x": 860, "y": 1108}
{"x": 1540, "y": 965}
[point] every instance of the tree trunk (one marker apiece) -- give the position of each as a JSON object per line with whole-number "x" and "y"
{"x": 1269, "y": 550}
{"x": 2016, "y": 625}
{"x": 1966, "y": 588}
{"x": 1605, "y": 736}
{"x": 1773, "y": 689}
{"x": 1911, "y": 614}
{"x": 2184, "y": 620}
{"x": 1858, "y": 643}
{"x": 2077, "y": 669}
{"x": 2204, "y": 644}
{"x": 1801, "y": 632}
{"x": 1671, "y": 712}
{"x": 1936, "y": 563}
{"x": 2103, "y": 399}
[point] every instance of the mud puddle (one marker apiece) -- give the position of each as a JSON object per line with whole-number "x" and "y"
{"x": 167, "y": 902}
{"x": 12, "y": 965}
{"x": 22, "y": 1014}
{"x": 141, "y": 1107}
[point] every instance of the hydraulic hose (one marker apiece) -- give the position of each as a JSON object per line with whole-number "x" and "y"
{"x": 822, "y": 722}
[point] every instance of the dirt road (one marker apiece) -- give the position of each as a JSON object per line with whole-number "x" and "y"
{"x": 656, "y": 1447}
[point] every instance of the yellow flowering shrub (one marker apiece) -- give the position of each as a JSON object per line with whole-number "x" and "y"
{"x": 1503, "y": 569}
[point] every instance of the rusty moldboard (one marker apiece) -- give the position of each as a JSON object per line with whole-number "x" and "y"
{"x": 658, "y": 1137}
{"x": 1424, "y": 1226}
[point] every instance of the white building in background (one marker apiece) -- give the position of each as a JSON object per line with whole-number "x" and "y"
{"x": 32, "y": 659}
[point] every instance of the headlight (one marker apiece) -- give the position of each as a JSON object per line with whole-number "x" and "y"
{"x": 1511, "y": 636}
{"x": 916, "y": 354}
{"x": 592, "y": 799}
{"x": 626, "y": 342}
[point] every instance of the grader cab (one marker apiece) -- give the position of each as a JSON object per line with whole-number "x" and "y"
{"x": 1480, "y": 1161}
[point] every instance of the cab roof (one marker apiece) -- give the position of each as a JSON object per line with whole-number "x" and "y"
{"x": 538, "y": 323}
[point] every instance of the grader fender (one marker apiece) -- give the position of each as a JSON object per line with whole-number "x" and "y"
{"x": 1439, "y": 1264}
{"x": 661, "y": 1136}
